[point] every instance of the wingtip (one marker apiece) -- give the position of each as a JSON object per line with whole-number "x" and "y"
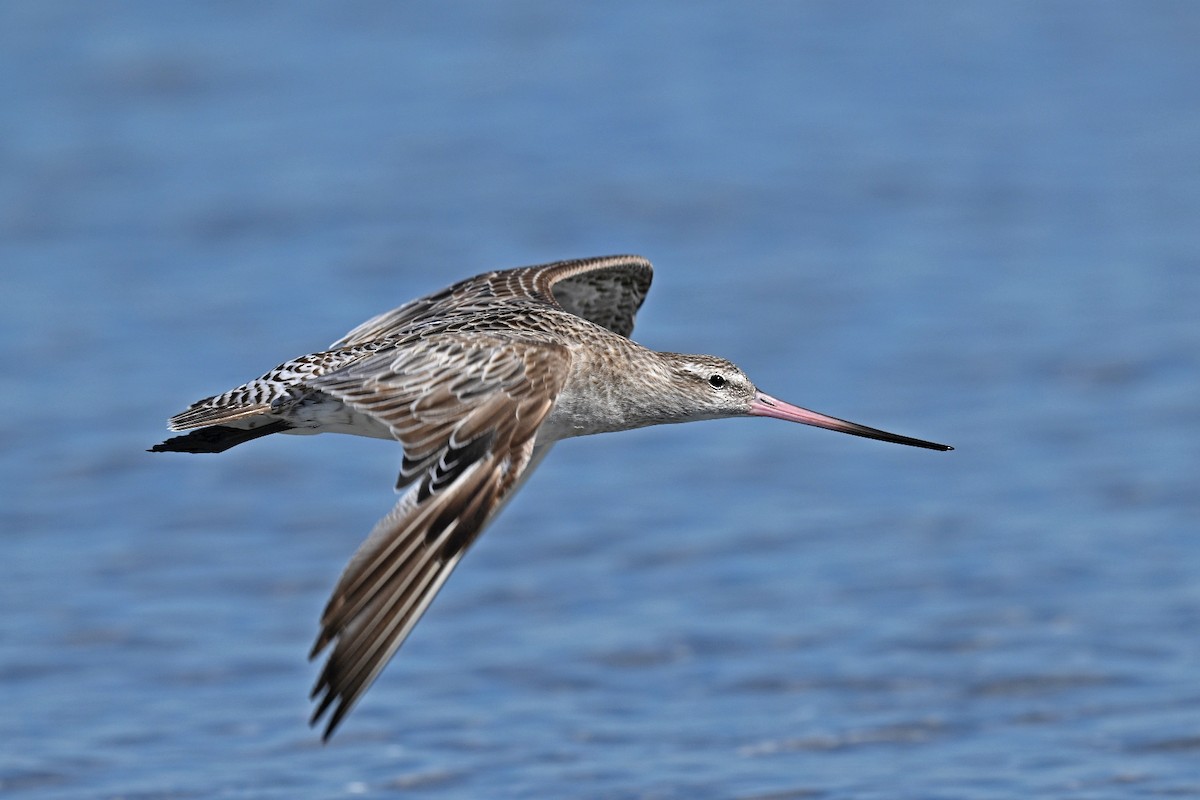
{"x": 317, "y": 647}
{"x": 335, "y": 719}
{"x": 322, "y": 706}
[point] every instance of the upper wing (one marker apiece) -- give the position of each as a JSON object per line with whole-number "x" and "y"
{"x": 467, "y": 410}
{"x": 607, "y": 291}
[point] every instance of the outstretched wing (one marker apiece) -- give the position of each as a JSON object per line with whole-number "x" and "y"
{"x": 607, "y": 291}
{"x": 467, "y": 410}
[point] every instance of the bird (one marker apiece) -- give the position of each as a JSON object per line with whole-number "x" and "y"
{"x": 476, "y": 382}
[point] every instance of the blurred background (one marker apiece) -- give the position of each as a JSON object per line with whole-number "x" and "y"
{"x": 973, "y": 222}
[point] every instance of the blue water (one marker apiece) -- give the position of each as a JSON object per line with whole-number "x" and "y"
{"x": 970, "y": 222}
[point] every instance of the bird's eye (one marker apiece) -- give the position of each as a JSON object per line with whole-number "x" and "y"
{"x": 716, "y": 381}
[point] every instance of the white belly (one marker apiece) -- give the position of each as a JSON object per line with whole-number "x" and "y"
{"x": 323, "y": 414}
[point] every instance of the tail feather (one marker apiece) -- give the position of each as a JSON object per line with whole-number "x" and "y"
{"x": 217, "y": 438}
{"x": 211, "y": 411}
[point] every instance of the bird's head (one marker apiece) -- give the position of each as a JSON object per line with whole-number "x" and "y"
{"x": 708, "y": 387}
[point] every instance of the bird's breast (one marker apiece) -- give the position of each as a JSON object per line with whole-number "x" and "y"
{"x": 593, "y": 403}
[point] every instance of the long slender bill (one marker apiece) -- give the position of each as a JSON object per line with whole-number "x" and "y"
{"x": 764, "y": 405}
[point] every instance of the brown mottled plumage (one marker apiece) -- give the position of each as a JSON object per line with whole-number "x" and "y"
{"x": 476, "y": 382}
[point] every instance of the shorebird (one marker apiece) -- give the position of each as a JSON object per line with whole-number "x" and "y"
{"x": 476, "y": 382}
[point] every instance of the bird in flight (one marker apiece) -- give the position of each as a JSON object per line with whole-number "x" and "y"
{"x": 476, "y": 382}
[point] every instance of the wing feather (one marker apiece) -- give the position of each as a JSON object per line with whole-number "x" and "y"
{"x": 607, "y": 290}
{"x": 467, "y": 410}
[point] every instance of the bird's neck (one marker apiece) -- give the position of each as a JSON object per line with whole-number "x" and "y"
{"x": 614, "y": 390}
